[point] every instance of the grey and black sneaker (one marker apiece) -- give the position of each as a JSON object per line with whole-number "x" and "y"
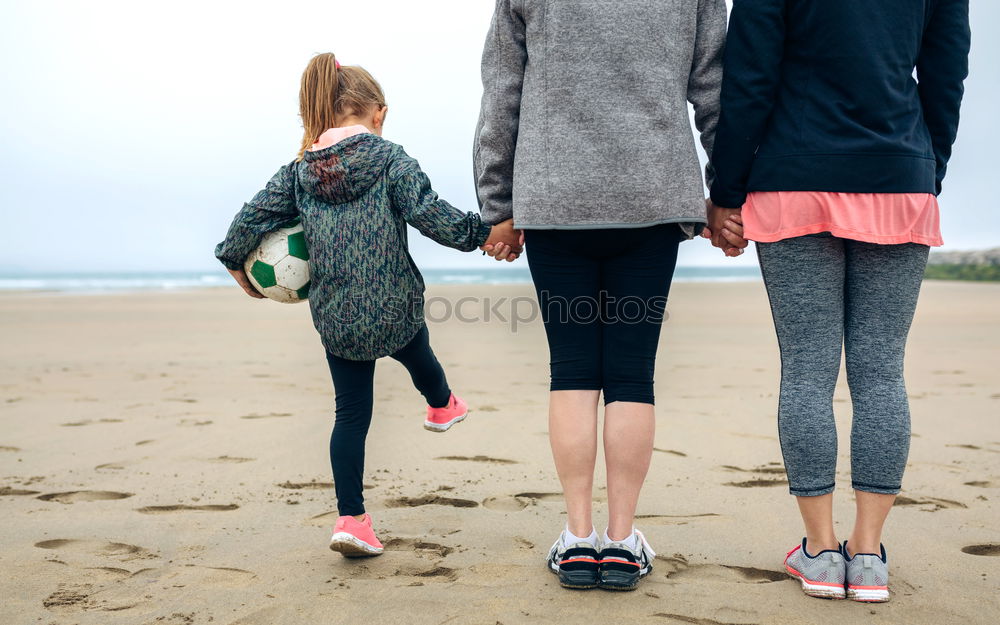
{"x": 867, "y": 576}
{"x": 622, "y": 567}
{"x": 822, "y": 575}
{"x": 576, "y": 564}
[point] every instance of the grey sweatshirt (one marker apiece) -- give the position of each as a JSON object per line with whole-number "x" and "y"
{"x": 584, "y": 120}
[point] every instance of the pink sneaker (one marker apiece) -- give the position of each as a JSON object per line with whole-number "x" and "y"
{"x": 355, "y": 539}
{"x": 441, "y": 419}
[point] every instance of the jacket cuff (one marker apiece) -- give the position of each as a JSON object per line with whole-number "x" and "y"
{"x": 231, "y": 265}
{"x": 482, "y": 233}
{"x": 493, "y": 215}
{"x": 723, "y": 199}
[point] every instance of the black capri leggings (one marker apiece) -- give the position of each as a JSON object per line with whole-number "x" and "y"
{"x": 603, "y": 294}
{"x": 353, "y": 383}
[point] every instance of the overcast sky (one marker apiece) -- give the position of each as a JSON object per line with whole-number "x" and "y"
{"x": 131, "y": 132}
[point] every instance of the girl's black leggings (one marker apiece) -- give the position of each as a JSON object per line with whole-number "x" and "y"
{"x": 603, "y": 295}
{"x": 353, "y": 384}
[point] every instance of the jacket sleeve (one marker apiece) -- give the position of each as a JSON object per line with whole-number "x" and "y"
{"x": 414, "y": 199}
{"x": 942, "y": 67}
{"x": 266, "y": 212}
{"x": 705, "y": 80}
{"x": 504, "y": 58}
{"x": 752, "y": 71}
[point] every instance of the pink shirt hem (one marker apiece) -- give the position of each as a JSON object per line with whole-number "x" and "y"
{"x": 882, "y": 218}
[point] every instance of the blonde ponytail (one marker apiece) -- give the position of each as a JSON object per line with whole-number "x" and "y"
{"x": 329, "y": 91}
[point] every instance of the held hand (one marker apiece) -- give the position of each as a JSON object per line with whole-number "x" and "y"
{"x": 725, "y": 229}
{"x": 241, "y": 278}
{"x": 505, "y": 242}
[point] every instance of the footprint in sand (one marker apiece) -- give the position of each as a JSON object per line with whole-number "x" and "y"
{"x": 110, "y": 466}
{"x": 94, "y": 547}
{"x": 73, "y": 598}
{"x": 523, "y": 543}
{"x": 430, "y": 500}
{"x": 552, "y": 497}
{"x": 420, "y": 547}
{"x": 272, "y": 415}
{"x": 229, "y": 460}
{"x": 757, "y": 483}
{"x": 434, "y": 573}
{"x": 322, "y": 520}
{"x": 485, "y": 459}
{"x": 520, "y": 501}
{"x": 979, "y": 484}
{"x": 7, "y": 491}
{"x": 933, "y": 504}
{"x": 973, "y": 448}
{"x": 768, "y": 469}
{"x": 89, "y": 421}
{"x": 84, "y": 495}
{"x": 416, "y": 572}
{"x": 306, "y": 485}
{"x": 9, "y": 448}
{"x": 106, "y": 589}
{"x": 683, "y": 618}
{"x": 505, "y": 504}
{"x": 678, "y": 567}
{"x": 186, "y": 508}
{"x": 991, "y": 549}
{"x": 671, "y": 451}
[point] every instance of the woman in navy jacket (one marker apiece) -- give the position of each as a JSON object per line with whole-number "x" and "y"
{"x": 830, "y": 152}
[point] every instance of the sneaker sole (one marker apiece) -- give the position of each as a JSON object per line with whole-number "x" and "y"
{"x": 577, "y": 581}
{"x": 818, "y": 590}
{"x": 868, "y": 595}
{"x": 352, "y": 547}
{"x": 574, "y": 580}
{"x": 621, "y": 582}
{"x": 444, "y": 427}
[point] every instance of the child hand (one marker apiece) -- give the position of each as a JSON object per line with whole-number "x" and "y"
{"x": 505, "y": 242}
{"x": 241, "y": 278}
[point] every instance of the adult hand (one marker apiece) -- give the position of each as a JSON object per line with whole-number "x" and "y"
{"x": 241, "y": 279}
{"x": 725, "y": 229}
{"x": 505, "y": 242}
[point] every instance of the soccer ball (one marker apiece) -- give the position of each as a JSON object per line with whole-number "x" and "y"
{"x": 279, "y": 268}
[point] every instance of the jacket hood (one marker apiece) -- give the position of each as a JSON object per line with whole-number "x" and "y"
{"x": 344, "y": 171}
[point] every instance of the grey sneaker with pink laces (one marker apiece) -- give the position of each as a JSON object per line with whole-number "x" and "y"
{"x": 867, "y": 576}
{"x": 821, "y": 575}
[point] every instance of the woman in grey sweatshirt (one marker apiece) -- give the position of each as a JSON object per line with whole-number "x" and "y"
{"x": 585, "y": 140}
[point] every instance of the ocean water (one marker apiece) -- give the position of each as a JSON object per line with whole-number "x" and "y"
{"x": 95, "y": 283}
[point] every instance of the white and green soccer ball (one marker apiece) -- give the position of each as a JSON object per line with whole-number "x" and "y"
{"x": 279, "y": 268}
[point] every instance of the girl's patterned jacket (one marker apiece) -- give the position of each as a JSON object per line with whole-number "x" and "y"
{"x": 355, "y": 199}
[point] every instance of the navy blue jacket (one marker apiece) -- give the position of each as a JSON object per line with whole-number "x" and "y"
{"x": 820, "y": 95}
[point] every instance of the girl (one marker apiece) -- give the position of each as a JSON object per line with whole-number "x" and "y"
{"x": 354, "y": 193}
{"x": 584, "y": 138}
{"x": 835, "y": 154}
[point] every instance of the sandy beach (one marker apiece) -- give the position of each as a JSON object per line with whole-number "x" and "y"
{"x": 164, "y": 462}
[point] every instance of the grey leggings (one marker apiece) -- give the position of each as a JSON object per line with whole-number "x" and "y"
{"x": 826, "y": 294}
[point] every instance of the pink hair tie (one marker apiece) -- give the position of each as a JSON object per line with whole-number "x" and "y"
{"x": 336, "y": 63}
